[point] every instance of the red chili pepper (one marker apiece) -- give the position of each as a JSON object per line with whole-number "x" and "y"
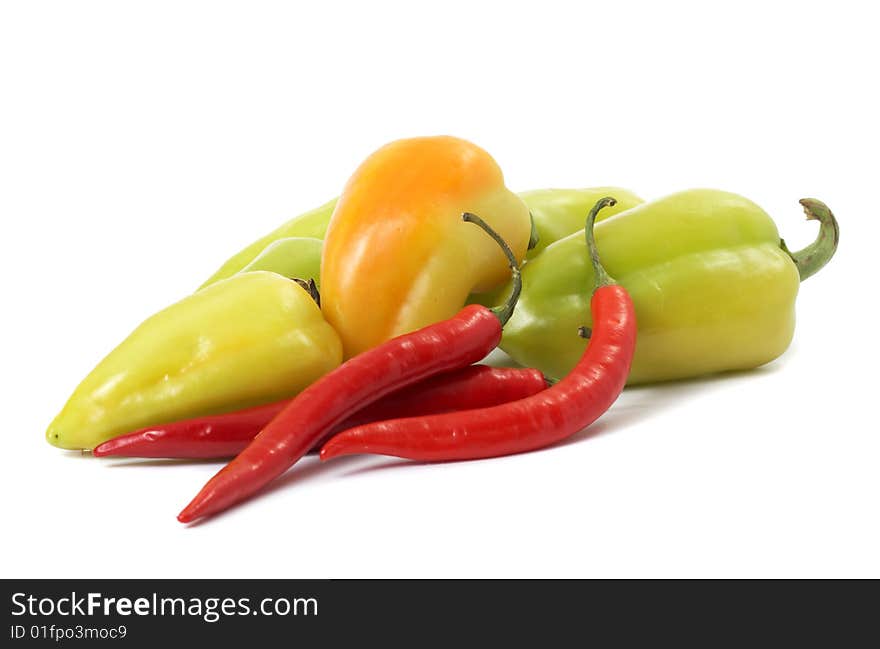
{"x": 451, "y": 344}
{"x": 475, "y": 386}
{"x": 531, "y": 423}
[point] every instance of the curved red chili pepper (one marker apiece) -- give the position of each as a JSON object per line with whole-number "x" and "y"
{"x": 218, "y": 436}
{"x": 531, "y": 423}
{"x": 451, "y": 344}
{"x": 201, "y": 437}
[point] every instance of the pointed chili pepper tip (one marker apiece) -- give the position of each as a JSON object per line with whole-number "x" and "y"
{"x": 195, "y": 509}
{"x": 334, "y": 449}
{"x": 102, "y": 450}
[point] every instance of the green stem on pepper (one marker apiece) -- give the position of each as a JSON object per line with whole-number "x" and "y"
{"x": 505, "y": 310}
{"x": 602, "y": 278}
{"x": 812, "y": 258}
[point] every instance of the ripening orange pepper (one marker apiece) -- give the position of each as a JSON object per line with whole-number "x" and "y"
{"x": 397, "y": 255}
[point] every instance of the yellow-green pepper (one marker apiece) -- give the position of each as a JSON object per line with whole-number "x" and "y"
{"x": 293, "y": 257}
{"x": 312, "y": 224}
{"x": 555, "y": 213}
{"x": 713, "y": 285}
{"x": 250, "y": 339}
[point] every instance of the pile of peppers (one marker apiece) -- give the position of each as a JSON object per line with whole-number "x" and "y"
{"x": 358, "y": 327}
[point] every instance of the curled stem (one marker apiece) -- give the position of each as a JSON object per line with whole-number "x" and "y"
{"x": 502, "y": 311}
{"x": 812, "y": 258}
{"x": 602, "y": 278}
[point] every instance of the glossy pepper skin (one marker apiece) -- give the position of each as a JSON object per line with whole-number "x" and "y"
{"x": 397, "y": 255}
{"x": 393, "y": 365}
{"x": 558, "y": 213}
{"x": 527, "y": 424}
{"x": 291, "y": 257}
{"x": 250, "y": 339}
{"x": 227, "y": 435}
{"x": 312, "y": 224}
{"x": 713, "y": 286}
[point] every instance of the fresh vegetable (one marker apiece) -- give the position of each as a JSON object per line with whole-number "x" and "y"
{"x": 713, "y": 286}
{"x": 312, "y": 224}
{"x": 534, "y": 422}
{"x": 397, "y": 256}
{"x": 293, "y": 257}
{"x": 440, "y": 347}
{"x": 475, "y": 386}
{"x": 558, "y": 213}
{"x": 250, "y": 339}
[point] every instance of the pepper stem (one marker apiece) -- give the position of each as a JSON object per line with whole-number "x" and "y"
{"x": 534, "y": 237}
{"x": 810, "y": 259}
{"x": 309, "y": 287}
{"x": 602, "y": 277}
{"x": 502, "y": 311}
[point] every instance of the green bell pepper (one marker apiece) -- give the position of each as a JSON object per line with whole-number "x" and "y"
{"x": 250, "y": 339}
{"x": 713, "y": 285}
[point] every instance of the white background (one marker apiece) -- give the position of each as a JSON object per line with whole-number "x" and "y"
{"x": 143, "y": 143}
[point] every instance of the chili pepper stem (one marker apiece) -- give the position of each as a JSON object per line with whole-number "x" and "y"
{"x": 602, "y": 277}
{"x": 503, "y": 311}
{"x": 811, "y": 259}
{"x": 525, "y": 424}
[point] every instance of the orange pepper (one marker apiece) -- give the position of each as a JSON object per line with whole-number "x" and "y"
{"x": 397, "y": 255}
